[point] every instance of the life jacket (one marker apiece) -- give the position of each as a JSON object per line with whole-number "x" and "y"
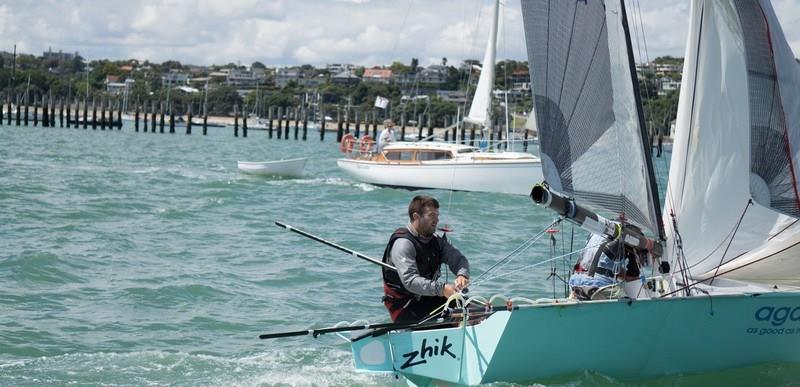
{"x": 429, "y": 261}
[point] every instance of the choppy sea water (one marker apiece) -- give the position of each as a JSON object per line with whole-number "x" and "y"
{"x": 130, "y": 259}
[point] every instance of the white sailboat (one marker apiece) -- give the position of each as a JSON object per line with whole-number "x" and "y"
{"x": 732, "y": 205}
{"x": 449, "y": 166}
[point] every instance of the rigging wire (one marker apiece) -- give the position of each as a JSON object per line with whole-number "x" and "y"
{"x": 730, "y": 235}
{"x": 477, "y": 284}
{"x": 739, "y": 223}
{"x": 402, "y": 26}
{"x": 508, "y": 258}
{"x": 469, "y": 77}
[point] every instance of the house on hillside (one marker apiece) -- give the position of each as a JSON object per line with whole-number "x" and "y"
{"x": 667, "y": 84}
{"x": 433, "y": 74}
{"x": 61, "y": 56}
{"x": 246, "y": 78}
{"x": 336, "y": 68}
{"x": 455, "y": 96}
{"x": 346, "y": 77}
{"x": 287, "y": 74}
{"x": 219, "y": 76}
{"x": 116, "y": 86}
{"x": 520, "y": 81}
{"x": 175, "y": 77}
{"x": 377, "y": 74}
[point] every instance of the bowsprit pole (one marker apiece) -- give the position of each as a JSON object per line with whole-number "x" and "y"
{"x": 322, "y": 331}
{"x": 449, "y": 316}
{"x": 334, "y": 245}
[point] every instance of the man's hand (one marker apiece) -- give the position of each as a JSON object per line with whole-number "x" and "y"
{"x": 448, "y": 290}
{"x": 461, "y": 282}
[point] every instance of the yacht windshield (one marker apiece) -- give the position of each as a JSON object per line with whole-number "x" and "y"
{"x": 433, "y": 155}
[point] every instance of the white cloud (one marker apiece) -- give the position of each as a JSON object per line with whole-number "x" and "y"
{"x": 281, "y": 32}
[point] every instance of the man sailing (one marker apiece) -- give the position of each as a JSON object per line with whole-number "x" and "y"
{"x": 414, "y": 290}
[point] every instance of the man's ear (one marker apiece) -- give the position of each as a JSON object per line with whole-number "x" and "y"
{"x": 415, "y": 216}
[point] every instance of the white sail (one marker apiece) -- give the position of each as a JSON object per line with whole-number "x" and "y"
{"x": 479, "y": 111}
{"x": 737, "y": 139}
{"x": 530, "y": 123}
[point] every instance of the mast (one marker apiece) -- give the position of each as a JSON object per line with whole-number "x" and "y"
{"x": 645, "y": 147}
{"x": 205, "y": 100}
{"x": 491, "y": 54}
{"x": 508, "y": 136}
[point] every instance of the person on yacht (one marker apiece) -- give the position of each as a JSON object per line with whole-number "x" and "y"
{"x": 603, "y": 262}
{"x": 387, "y": 134}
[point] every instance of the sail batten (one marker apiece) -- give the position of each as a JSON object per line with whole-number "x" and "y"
{"x": 585, "y": 100}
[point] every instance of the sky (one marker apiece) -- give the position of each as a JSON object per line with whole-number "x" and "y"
{"x": 317, "y": 32}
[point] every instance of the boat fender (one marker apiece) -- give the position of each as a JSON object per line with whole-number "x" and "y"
{"x": 347, "y": 144}
{"x": 366, "y": 143}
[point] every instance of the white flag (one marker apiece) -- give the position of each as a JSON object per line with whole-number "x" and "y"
{"x": 381, "y": 102}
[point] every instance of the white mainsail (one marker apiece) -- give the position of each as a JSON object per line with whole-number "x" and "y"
{"x": 737, "y": 139}
{"x": 479, "y": 111}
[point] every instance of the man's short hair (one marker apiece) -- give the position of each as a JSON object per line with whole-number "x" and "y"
{"x": 388, "y": 122}
{"x": 419, "y": 204}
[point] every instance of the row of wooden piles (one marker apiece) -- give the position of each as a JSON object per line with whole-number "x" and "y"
{"x": 160, "y": 118}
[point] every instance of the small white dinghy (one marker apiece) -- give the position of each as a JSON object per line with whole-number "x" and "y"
{"x": 289, "y": 168}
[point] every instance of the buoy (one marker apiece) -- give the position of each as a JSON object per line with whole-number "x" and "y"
{"x": 347, "y": 144}
{"x": 366, "y": 143}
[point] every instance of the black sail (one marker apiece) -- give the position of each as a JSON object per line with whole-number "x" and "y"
{"x": 587, "y": 108}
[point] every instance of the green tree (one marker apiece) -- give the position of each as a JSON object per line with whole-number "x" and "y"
{"x": 399, "y": 68}
{"x": 222, "y": 99}
{"x": 454, "y": 79}
{"x": 171, "y": 65}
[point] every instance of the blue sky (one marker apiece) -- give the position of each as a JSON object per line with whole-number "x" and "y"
{"x": 284, "y": 32}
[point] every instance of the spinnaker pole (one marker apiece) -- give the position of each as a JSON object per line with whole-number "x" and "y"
{"x": 592, "y": 222}
{"x": 335, "y": 246}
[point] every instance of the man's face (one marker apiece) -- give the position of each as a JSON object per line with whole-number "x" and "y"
{"x": 427, "y": 222}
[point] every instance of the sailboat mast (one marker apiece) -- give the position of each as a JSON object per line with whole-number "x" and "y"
{"x": 205, "y": 100}
{"x": 491, "y": 56}
{"x": 645, "y": 144}
{"x": 508, "y": 137}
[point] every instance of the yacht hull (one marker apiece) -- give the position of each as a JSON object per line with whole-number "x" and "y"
{"x": 501, "y": 176}
{"x": 620, "y": 338}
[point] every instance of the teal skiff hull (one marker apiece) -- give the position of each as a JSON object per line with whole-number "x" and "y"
{"x": 623, "y": 339}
